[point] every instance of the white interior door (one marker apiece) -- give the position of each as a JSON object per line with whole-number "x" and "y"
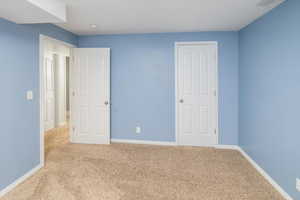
{"x": 197, "y": 94}
{"x": 90, "y": 96}
{"x": 49, "y": 93}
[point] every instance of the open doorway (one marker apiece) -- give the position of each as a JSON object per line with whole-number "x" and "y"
{"x": 74, "y": 95}
{"x": 55, "y": 86}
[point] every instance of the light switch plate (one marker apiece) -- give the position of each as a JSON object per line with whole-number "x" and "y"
{"x": 29, "y": 95}
{"x": 138, "y": 129}
{"x": 298, "y": 184}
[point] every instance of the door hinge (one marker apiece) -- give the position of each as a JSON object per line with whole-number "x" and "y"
{"x": 73, "y": 128}
{"x": 215, "y": 131}
{"x": 73, "y": 94}
{"x": 215, "y": 93}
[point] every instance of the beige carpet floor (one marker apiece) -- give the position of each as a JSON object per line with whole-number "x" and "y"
{"x": 141, "y": 172}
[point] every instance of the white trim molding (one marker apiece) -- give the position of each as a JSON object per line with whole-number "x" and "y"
{"x": 265, "y": 175}
{"x": 19, "y": 180}
{"x": 41, "y": 103}
{"x": 143, "y": 142}
{"x": 196, "y": 43}
{"x": 161, "y": 143}
{"x": 230, "y": 147}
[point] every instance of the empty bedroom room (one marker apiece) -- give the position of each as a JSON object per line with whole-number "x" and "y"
{"x": 144, "y": 100}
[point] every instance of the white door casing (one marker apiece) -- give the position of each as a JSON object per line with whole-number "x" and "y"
{"x": 49, "y": 114}
{"x": 44, "y": 51}
{"x": 196, "y": 94}
{"x": 90, "y": 96}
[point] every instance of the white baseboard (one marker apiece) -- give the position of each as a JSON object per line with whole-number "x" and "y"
{"x": 20, "y": 180}
{"x": 265, "y": 175}
{"x": 221, "y": 146}
{"x": 234, "y": 147}
{"x": 143, "y": 142}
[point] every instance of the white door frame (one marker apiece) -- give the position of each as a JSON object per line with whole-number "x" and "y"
{"x": 177, "y": 45}
{"x": 42, "y": 39}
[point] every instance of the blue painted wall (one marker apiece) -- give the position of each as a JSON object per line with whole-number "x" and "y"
{"x": 143, "y": 83}
{"x": 259, "y": 73}
{"x": 19, "y": 118}
{"x": 269, "y": 94}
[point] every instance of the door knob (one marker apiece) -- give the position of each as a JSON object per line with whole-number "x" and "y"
{"x": 181, "y": 100}
{"x": 106, "y": 103}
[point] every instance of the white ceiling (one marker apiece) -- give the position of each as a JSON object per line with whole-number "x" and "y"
{"x": 152, "y": 16}
{"x": 33, "y": 11}
{"x": 146, "y": 16}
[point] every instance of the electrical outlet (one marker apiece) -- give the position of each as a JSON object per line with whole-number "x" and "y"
{"x": 298, "y": 184}
{"x": 138, "y": 129}
{"x": 29, "y": 95}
